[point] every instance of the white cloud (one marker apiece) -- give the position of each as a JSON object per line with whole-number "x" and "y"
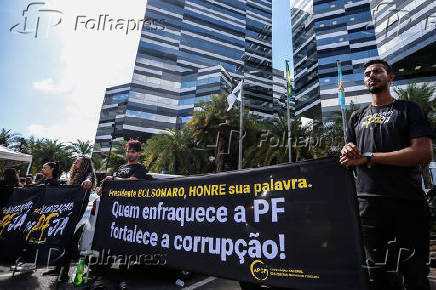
{"x": 48, "y": 86}
{"x": 91, "y": 61}
{"x": 57, "y": 131}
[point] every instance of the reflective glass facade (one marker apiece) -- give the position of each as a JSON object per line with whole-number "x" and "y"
{"x": 406, "y": 38}
{"x": 306, "y": 83}
{"x": 342, "y": 30}
{"x": 203, "y": 46}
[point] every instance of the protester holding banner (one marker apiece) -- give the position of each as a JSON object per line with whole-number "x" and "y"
{"x": 50, "y": 170}
{"x": 133, "y": 170}
{"x": 82, "y": 173}
{"x": 29, "y": 180}
{"x": 11, "y": 180}
{"x": 386, "y": 141}
{"x": 39, "y": 178}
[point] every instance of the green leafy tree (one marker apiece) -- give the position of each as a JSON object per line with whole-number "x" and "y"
{"x": 7, "y": 137}
{"x": 46, "y": 150}
{"x": 117, "y": 156}
{"x": 23, "y": 144}
{"x": 174, "y": 153}
{"x": 272, "y": 145}
{"x": 332, "y": 133}
{"x": 81, "y": 148}
{"x": 98, "y": 158}
{"x": 217, "y": 130}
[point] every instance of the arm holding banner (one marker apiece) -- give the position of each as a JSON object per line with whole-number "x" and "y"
{"x": 89, "y": 180}
{"x": 119, "y": 178}
{"x": 350, "y": 153}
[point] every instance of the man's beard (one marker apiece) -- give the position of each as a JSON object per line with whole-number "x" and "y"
{"x": 132, "y": 159}
{"x": 376, "y": 90}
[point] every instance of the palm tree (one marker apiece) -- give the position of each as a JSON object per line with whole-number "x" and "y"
{"x": 7, "y": 137}
{"x": 117, "y": 156}
{"x": 424, "y": 96}
{"x": 214, "y": 127}
{"x": 47, "y": 150}
{"x": 98, "y": 158}
{"x": 421, "y": 94}
{"x": 273, "y": 145}
{"x": 23, "y": 144}
{"x": 81, "y": 148}
{"x": 211, "y": 124}
{"x": 332, "y": 133}
{"x": 174, "y": 152}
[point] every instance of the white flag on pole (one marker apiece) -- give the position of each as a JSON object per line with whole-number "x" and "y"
{"x": 235, "y": 95}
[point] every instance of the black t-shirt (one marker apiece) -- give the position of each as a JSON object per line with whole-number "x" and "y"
{"x": 131, "y": 170}
{"x": 5, "y": 193}
{"x": 51, "y": 181}
{"x": 385, "y": 129}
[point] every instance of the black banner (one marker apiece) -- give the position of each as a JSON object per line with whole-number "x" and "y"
{"x": 39, "y": 222}
{"x": 292, "y": 225}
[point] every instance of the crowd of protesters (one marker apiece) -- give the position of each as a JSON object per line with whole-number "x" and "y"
{"x": 81, "y": 173}
{"x": 49, "y": 175}
{"x": 385, "y": 143}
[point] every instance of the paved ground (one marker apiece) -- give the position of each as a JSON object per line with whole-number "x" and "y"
{"x": 155, "y": 279}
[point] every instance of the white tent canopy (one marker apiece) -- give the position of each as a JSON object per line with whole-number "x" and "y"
{"x": 10, "y": 158}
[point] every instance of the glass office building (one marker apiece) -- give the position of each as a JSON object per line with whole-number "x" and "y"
{"x": 406, "y": 38}
{"x": 336, "y": 30}
{"x": 306, "y": 83}
{"x": 201, "y": 47}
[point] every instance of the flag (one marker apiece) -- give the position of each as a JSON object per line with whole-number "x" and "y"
{"x": 235, "y": 95}
{"x": 341, "y": 91}
{"x": 290, "y": 87}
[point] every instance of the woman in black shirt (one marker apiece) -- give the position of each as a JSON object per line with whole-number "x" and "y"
{"x": 50, "y": 170}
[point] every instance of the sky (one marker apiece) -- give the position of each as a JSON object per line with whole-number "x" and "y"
{"x": 52, "y": 85}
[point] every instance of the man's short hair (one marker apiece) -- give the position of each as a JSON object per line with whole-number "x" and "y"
{"x": 134, "y": 145}
{"x": 387, "y": 67}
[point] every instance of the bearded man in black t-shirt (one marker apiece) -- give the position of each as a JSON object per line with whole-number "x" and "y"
{"x": 386, "y": 142}
{"x": 133, "y": 170}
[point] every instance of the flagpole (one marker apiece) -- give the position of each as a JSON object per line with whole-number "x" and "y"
{"x": 344, "y": 125}
{"x": 289, "y": 132}
{"x": 344, "y": 119}
{"x": 241, "y": 125}
{"x": 288, "y": 110}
